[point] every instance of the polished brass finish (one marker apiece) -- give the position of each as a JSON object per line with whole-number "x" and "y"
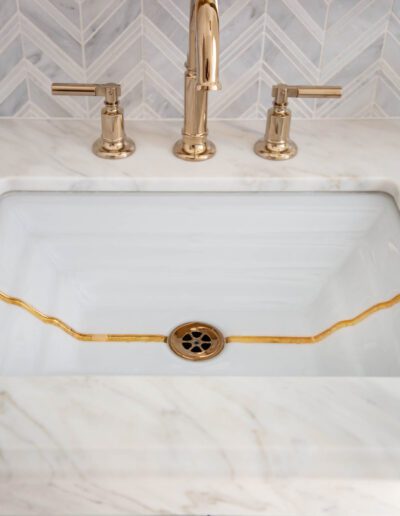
{"x": 175, "y": 339}
{"x": 196, "y": 341}
{"x": 314, "y": 339}
{"x": 84, "y": 337}
{"x": 202, "y": 75}
{"x": 113, "y": 142}
{"x": 276, "y": 144}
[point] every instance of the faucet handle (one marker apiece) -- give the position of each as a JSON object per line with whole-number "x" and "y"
{"x": 281, "y": 92}
{"x": 111, "y": 91}
{"x": 113, "y": 142}
{"x": 276, "y": 143}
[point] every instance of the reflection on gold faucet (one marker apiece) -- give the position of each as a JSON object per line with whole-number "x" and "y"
{"x": 244, "y": 339}
{"x": 202, "y": 76}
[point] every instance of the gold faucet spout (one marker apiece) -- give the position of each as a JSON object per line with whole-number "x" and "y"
{"x": 202, "y": 76}
{"x": 207, "y": 48}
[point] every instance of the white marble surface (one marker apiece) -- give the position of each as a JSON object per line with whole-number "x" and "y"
{"x": 232, "y": 446}
{"x": 226, "y": 446}
{"x": 333, "y": 155}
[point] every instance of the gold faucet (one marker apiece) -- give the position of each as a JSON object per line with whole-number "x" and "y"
{"x": 276, "y": 143}
{"x": 113, "y": 142}
{"x": 202, "y": 75}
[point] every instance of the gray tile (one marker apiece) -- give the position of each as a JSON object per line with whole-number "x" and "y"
{"x": 360, "y": 62}
{"x": 10, "y": 57}
{"x": 243, "y": 103}
{"x": 69, "y": 8}
{"x": 172, "y": 71}
{"x": 295, "y": 30}
{"x": 91, "y": 9}
{"x": 150, "y": 63}
{"x": 396, "y": 8}
{"x": 52, "y": 29}
{"x": 162, "y": 19}
{"x": 352, "y": 25}
{"x": 46, "y": 64}
{"x": 388, "y": 97}
{"x": 246, "y": 57}
{"x": 7, "y": 9}
{"x": 249, "y": 15}
{"x": 117, "y": 69}
{"x": 15, "y": 101}
{"x": 159, "y": 103}
{"x": 132, "y": 99}
{"x": 316, "y": 9}
{"x": 46, "y": 102}
{"x": 394, "y": 27}
{"x": 120, "y": 19}
{"x": 282, "y": 66}
{"x": 391, "y": 53}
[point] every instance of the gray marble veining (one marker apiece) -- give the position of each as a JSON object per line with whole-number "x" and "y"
{"x": 143, "y": 46}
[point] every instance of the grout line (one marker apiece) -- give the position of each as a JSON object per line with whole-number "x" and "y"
{"x": 7, "y": 32}
{"x": 380, "y": 61}
{"x": 142, "y": 52}
{"x": 321, "y": 57}
{"x": 83, "y": 54}
{"x": 120, "y": 43}
{"x": 292, "y": 51}
{"x": 24, "y": 53}
{"x": 63, "y": 21}
{"x": 264, "y": 31}
{"x": 108, "y": 16}
{"x": 305, "y": 19}
{"x": 348, "y": 15}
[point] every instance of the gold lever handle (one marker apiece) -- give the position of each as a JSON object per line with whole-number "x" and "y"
{"x": 276, "y": 143}
{"x": 113, "y": 142}
{"x": 110, "y": 91}
{"x": 282, "y": 92}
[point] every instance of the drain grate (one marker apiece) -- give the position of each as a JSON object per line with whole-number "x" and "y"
{"x": 196, "y": 341}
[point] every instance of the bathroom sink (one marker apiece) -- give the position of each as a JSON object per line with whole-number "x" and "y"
{"x": 287, "y": 264}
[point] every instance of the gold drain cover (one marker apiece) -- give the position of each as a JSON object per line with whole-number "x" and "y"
{"x": 196, "y": 341}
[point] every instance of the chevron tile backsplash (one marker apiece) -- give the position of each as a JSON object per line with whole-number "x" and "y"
{"x": 142, "y": 44}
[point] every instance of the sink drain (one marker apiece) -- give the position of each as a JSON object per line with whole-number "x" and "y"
{"x": 196, "y": 341}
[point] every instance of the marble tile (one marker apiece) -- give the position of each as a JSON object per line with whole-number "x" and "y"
{"x": 387, "y": 98}
{"x": 55, "y": 33}
{"x": 13, "y": 103}
{"x": 291, "y": 31}
{"x": 262, "y": 41}
{"x": 113, "y": 26}
{"x": 8, "y": 8}
{"x": 348, "y": 23}
{"x": 10, "y": 56}
{"x": 69, "y": 8}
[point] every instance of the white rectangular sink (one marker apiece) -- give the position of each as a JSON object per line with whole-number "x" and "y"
{"x": 248, "y": 263}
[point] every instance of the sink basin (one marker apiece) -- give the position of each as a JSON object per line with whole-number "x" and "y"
{"x": 249, "y": 263}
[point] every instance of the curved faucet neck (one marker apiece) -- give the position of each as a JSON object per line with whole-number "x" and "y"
{"x": 203, "y": 55}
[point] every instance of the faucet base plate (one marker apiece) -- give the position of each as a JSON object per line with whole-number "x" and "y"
{"x": 122, "y": 150}
{"x": 275, "y": 152}
{"x": 194, "y": 151}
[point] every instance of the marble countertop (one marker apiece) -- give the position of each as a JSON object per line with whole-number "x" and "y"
{"x": 333, "y": 155}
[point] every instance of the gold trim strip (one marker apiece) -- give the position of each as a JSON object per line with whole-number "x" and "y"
{"x": 84, "y": 337}
{"x": 244, "y": 339}
{"x": 314, "y": 339}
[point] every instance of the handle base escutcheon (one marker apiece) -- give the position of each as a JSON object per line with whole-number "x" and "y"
{"x": 275, "y": 152}
{"x": 111, "y": 150}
